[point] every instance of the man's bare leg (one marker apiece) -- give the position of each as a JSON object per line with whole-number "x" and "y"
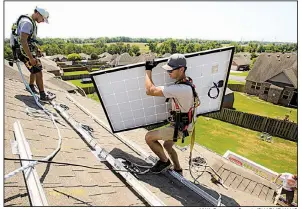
{"x": 152, "y": 140}
{"x": 32, "y": 79}
{"x": 168, "y": 145}
{"x": 39, "y": 81}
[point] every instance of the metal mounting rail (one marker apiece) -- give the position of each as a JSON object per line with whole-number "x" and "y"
{"x": 35, "y": 189}
{"x": 149, "y": 158}
{"x": 103, "y": 154}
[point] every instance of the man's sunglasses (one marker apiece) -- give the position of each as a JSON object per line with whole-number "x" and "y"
{"x": 170, "y": 71}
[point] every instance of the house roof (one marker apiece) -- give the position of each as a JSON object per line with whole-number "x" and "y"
{"x": 48, "y": 64}
{"x": 78, "y": 186}
{"x": 144, "y": 57}
{"x": 86, "y": 56}
{"x": 242, "y": 59}
{"x": 60, "y": 56}
{"x": 269, "y": 65}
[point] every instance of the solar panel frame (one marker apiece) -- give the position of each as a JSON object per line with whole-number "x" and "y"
{"x": 161, "y": 60}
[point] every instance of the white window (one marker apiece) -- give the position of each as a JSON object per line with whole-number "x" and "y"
{"x": 285, "y": 94}
{"x": 256, "y": 85}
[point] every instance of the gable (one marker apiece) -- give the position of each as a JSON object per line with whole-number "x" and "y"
{"x": 282, "y": 78}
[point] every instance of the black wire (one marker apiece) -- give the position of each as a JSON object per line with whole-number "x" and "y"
{"x": 69, "y": 164}
{"x": 87, "y": 128}
{"x": 213, "y": 87}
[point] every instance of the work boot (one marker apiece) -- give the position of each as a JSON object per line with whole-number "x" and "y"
{"x": 161, "y": 166}
{"x": 178, "y": 171}
{"x": 46, "y": 97}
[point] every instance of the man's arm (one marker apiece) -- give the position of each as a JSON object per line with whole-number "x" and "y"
{"x": 151, "y": 89}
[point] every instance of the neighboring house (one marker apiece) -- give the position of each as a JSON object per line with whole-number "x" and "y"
{"x": 229, "y": 98}
{"x": 58, "y": 58}
{"x": 144, "y": 57}
{"x": 241, "y": 61}
{"x": 274, "y": 78}
{"x": 105, "y": 57}
{"x": 166, "y": 55}
{"x": 123, "y": 59}
{"x": 85, "y": 56}
{"x": 50, "y": 66}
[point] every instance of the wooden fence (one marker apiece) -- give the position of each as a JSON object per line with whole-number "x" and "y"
{"x": 275, "y": 127}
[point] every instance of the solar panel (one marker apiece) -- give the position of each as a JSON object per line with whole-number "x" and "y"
{"x": 122, "y": 92}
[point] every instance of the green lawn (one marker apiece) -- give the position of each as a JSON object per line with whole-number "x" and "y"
{"x": 244, "y": 73}
{"x": 76, "y": 73}
{"x": 78, "y": 83}
{"x": 94, "y": 96}
{"x": 279, "y": 156}
{"x": 235, "y": 82}
{"x": 254, "y": 105}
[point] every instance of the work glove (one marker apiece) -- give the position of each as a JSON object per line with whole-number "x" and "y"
{"x": 150, "y": 64}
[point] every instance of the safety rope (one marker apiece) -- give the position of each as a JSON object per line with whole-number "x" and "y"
{"x": 50, "y": 114}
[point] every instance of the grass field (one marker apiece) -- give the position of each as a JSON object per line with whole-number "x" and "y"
{"x": 244, "y": 73}
{"x": 279, "y": 156}
{"x": 235, "y": 82}
{"x": 254, "y": 105}
{"x": 76, "y": 73}
{"x": 78, "y": 83}
{"x": 93, "y": 96}
{"x": 142, "y": 47}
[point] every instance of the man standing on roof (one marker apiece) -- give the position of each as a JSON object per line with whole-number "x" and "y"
{"x": 183, "y": 101}
{"x": 289, "y": 185}
{"x": 23, "y": 38}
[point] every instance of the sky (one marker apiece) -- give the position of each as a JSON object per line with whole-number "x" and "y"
{"x": 262, "y": 21}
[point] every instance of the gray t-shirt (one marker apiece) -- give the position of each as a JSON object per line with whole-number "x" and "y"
{"x": 25, "y": 26}
{"x": 182, "y": 94}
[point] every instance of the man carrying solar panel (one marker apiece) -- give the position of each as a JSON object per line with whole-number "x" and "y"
{"x": 183, "y": 96}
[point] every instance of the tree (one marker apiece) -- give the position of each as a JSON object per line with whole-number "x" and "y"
{"x": 73, "y": 57}
{"x": 135, "y": 50}
{"x": 152, "y": 46}
{"x": 8, "y": 53}
{"x": 252, "y": 63}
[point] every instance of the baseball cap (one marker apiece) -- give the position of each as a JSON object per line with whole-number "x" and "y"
{"x": 175, "y": 61}
{"x": 44, "y": 13}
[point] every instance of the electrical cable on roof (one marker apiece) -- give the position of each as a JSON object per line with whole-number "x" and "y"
{"x": 47, "y": 112}
{"x": 80, "y": 165}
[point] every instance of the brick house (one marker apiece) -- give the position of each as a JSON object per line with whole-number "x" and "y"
{"x": 274, "y": 78}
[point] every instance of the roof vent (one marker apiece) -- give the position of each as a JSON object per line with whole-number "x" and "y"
{"x": 288, "y": 56}
{"x": 279, "y": 60}
{"x": 268, "y": 55}
{"x": 278, "y": 55}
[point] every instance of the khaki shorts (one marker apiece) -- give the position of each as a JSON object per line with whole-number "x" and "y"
{"x": 166, "y": 133}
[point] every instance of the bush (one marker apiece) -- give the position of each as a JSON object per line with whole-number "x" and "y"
{"x": 94, "y": 56}
{"x": 73, "y": 57}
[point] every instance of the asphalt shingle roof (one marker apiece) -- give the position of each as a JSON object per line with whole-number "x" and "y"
{"x": 78, "y": 186}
